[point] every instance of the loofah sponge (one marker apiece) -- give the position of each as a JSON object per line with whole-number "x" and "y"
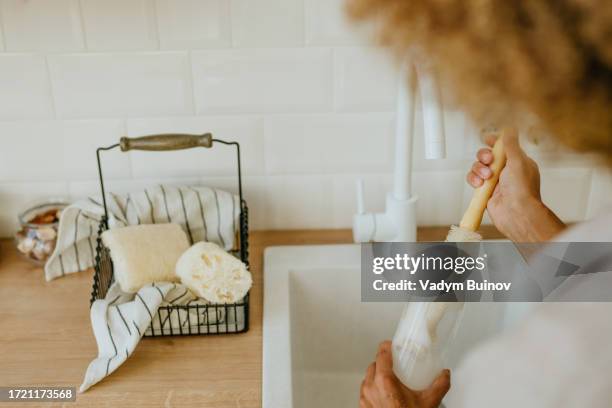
{"x": 143, "y": 254}
{"x": 213, "y": 274}
{"x": 459, "y": 234}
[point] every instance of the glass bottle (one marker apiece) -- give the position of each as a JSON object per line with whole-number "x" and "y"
{"x": 422, "y": 337}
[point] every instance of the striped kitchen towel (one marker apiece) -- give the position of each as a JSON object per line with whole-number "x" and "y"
{"x": 206, "y": 214}
{"x": 120, "y": 319}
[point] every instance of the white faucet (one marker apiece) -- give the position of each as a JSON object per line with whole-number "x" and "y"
{"x": 398, "y": 222}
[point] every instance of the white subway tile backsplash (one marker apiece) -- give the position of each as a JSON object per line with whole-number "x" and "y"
{"x": 296, "y": 202}
{"x": 41, "y": 25}
{"x": 566, "y": 192}
{"x": 113, "y": 25}
{"x": 59, "y": 150}
{"x": 35, "y": 153}
{"x": 123, "y": 84}
{"x": 222, "y": 183}
{"x": 326, "y": 23}
{"x": 81, "y": 138}
{"x": 194, "y": 24}
{"x": 78, "y": 190}
{"x": 218, "y": 161}
{"x": 17, "y": 197}
{"x": 321, "y": 144}
{"x": 254, "y": 191}
{"x": 439, "y": 193}
{"x": 310, "y": 103}
{"x": 263, "y": 80}
{"x": 365, "y": 79}
{"x": 25, "y": 89}
{"x": 267, "y": 23}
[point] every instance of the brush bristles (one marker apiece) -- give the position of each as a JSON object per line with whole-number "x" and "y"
{"x": 458, "y": 234}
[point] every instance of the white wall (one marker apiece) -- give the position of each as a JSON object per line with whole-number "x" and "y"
{"x": 310, "y": 101}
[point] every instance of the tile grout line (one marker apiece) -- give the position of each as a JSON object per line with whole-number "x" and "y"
{"x": 334, "y": 70}
{"x": 304, "y": 40}
{"x": 155, "y": 20}
{"x": 191, "y": 78}
{"x": 230, "y": 20}
{"x": 124, "y": 125}
{"x": 265, "y": 142}
{"x": 83, "y": 30}
{"x": 2, "y": 32}
{"x": 52, "y": 90}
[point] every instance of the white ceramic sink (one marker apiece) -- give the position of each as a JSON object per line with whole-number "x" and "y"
{"x": 318, "y": 337}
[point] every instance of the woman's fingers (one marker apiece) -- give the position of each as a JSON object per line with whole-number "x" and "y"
{"x": 512, "y": 146}
{"x": 474, "y": 180}
{"x": 384, "y": 362}
{"x": 382, "y": 389}
{"x": 482, "y": 170}
{"x": 485, "y": 156}
{"x": 368, "y": 397}
{"x": 370, "y": 373}
{"x": 390, "y": 390}
{"x": 363, "y": 398}
{"x": 490, "y": 139}
{"x": 432, "y": 396}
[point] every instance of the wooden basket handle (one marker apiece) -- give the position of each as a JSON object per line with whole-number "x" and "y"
{"x": 165, "y": 142}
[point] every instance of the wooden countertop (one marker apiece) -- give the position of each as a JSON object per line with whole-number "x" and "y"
{"x": 46, "y": 338}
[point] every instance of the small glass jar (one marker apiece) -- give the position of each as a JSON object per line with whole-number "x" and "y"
{"x": 423, "y": 335}
{"x": 38, "y": 234}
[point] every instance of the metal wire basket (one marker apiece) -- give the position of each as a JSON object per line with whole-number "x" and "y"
{"x": 209, "y": 318}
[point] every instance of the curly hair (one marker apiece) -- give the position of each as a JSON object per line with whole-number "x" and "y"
{"x": 503, "y": 60}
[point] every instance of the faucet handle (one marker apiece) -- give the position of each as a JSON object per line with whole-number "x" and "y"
{"x": 364, "y": 225}
{"x": 360, "y": 197}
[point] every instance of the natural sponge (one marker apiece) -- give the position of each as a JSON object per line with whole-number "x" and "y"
{"x": 143, "y": 254}
{"x": 213, "y": 274}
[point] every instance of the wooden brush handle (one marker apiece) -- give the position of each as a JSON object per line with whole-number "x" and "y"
{"x": 473, "y": 215}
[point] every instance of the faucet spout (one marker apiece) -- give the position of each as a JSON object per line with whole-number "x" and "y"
{"x": 398, "y": 222}
{"x": 433, "y": 115}
{"x": 404, "y": 133}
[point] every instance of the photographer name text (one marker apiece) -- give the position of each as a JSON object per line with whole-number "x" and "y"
{"x": 440, "y": 286}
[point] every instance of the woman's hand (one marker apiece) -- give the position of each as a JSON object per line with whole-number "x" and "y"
{"x": 516, "y": 207}
{"x": 382, "y": 389}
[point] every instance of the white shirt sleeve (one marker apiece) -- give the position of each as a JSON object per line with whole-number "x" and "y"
{"x": 560, "y": 356}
